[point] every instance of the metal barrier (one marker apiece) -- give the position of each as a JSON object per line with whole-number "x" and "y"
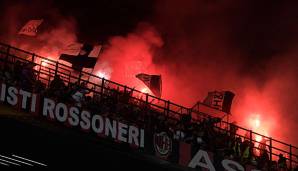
{"x": 46, "y": 69}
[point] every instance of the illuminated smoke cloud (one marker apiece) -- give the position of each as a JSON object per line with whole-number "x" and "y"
{"x": 126, "y": 56}
{"x": 55, "y": 33}
{"x": 243, "y": 46}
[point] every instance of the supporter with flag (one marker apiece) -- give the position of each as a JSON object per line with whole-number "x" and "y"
{"x": 153, "y": 82}
{"x": 221, "y": 100}
{"x": 83, "y": 59}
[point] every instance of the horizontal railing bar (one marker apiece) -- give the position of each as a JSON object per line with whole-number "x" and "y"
{"x": 179, "y": 108}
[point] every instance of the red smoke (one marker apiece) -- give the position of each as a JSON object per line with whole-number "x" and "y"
{"x": 127, "y": 56}
{"x": 199, "y": 46}
{"x": 55, "y": 33}
{"x": 50, "y": 43}
{"x": 233, "y": 45}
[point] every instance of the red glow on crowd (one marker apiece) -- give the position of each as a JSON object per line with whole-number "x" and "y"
{"x": 259, "y": 138}
{"x": 132, "y": 54}
{"x": 258, "y": 125}
{"x": 255, "y": 124}
{"x": 46, "y": 62}
{"x": 103, "y": 74}
{"x": 145, "y": 90}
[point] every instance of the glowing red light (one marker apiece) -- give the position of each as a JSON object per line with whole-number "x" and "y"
{"x": 255, "y": 121}
{"x": 44, "y": 63}
{"x": 258, "y": 138}
{"x": 103, "y": 75}
{"x": 145, "y": 90}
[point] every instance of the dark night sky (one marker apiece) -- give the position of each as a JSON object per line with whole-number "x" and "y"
{"x": 260, "y": 30}
{"x": 96, "y": 19}
{"x": 107, "y": 17}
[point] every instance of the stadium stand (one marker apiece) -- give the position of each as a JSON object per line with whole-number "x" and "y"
{"x": 191, "y": 127}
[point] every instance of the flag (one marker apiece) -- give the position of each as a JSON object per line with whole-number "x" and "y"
{"x": 86, "y": 49}
{"x": 79, "y": 62}
{"x": 153, "y": 82}
{"x": 81, "y": 55}
{"x": 30, "y": 28}
{"x": 78, "y": 48}
{"x": 221, "y": 100}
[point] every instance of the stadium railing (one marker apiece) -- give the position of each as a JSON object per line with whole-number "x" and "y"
{"x": 46, "y": 70}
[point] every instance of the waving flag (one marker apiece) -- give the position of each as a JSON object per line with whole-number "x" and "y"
{"x": 30, "y": 28}
{"x": 221, "y": 100}
{"x": 81, "y": 55}
{"x": 153, "y": 82}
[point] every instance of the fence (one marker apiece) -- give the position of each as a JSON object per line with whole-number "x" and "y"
{"x": 46, "y": 69}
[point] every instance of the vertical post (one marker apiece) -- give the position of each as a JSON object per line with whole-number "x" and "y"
{"x": 38, "y": 74}
{"x": 125, "y": 95}
{"x": 118, "y": 93}
{"x": 56, "y": 68}
{"x": 102, "y": 87}
{"x": 125, "y": 89}
{"x": 7, "y": 53}
{"x": 165, "y": 107}
{"x": 270, "y": 150}
{"x": 49, "y": 80}
{"x": 189, "y": 111}
{"x": 250, "y": 136}
{"x": 198, "y": 114}
{"x": 80, "y": 74}
{"x": 168, "y": 108}
{"x": 69, "y": 77}
{"x": 290, "y": 156}
{"x": 33, "y": 57}
{"x": 146, "y": 109}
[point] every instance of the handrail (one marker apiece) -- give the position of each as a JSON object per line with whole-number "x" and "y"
{"x": 166, "y": 105}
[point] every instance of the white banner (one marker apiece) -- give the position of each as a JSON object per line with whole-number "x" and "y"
{"x": 30, "y": 28}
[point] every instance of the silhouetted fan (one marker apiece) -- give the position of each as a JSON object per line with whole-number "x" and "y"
{"x": 82, "y": 60}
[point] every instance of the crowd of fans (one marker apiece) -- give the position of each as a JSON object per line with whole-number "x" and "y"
{"x": 121, "y": 105}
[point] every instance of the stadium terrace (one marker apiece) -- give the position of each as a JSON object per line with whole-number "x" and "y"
{"x": 107, "y": 109}
{"x": 72, "y": 116}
